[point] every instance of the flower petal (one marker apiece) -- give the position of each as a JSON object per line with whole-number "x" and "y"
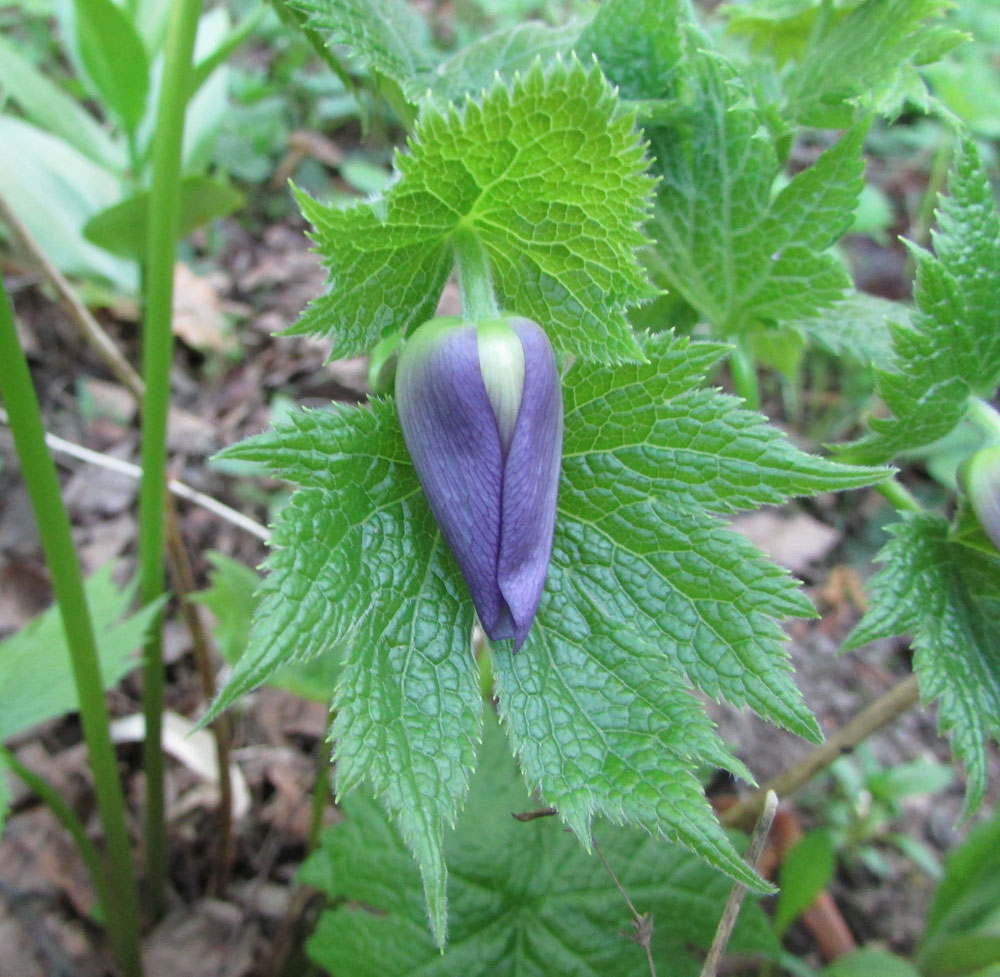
{"x": 531, "y": 482}
{"x": 451, "y": 434}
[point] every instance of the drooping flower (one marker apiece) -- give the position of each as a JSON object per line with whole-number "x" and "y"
{"x": 480, "y": 406}
{"x": 980, "y": 478}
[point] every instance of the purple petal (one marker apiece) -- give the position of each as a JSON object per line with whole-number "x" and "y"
{"x": 531, "y": 482}
{"x": 451, "y": 434}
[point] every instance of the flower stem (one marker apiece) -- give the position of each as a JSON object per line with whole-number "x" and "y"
{"x": 898, "y": 495}
{"x": 157, "y": 356}
{"x": 475, "y": 282}
{"x": 985, "y": 417}
{"x": 42, "y": 483}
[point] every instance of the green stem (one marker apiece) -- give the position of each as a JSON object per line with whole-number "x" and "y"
{"x": 66, "y": 816}
{"x": 42, "y": 483}
{"x": 744, "y": 374}
{"x": 899, "y": 495}
{"x": 985, "y": 417}
{"x": 474, "y": 279}
{"x": 321, "y": 787}
{"x": 157, "y": 356}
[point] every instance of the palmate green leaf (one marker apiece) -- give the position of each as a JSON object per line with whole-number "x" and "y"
{"x": 866, "y": 60}
{"x": 386, "y": 37}
{"x": 952, "y": 349}
{"x": 858, "y": 328}
{"x": 734, "y": 251}
{"x": 359, "y": 571}
{"x": 948, "y": 597}
{"x": 550, "y": 155}
{"x": 648, "y": 593}
{"x": 525, "y": 900}
{"x": 36, "y": 676}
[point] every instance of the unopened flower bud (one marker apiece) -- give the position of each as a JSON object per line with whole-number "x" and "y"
{"x": 480, "y": 406}
{"x": 980, "y": 478}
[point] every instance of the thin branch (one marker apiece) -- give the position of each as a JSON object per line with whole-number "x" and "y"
{"x": 180, "y": 489}
{"x": 89, "y": 327}
{"x": 641, "y": 922}
{"x": 873, "y": 717}
{"x": 736, "y": 895}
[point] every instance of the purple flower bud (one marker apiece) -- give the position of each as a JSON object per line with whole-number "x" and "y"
{"x": 480, "y": 406}
{"x": 980, "y": 478}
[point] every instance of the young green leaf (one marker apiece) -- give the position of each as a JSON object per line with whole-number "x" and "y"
{"x": 525, "y": 900}
{"x": 735, "y": 251}
{"x": 522, "y": 166}
{"x": 36, "y": 680}
{"x": 359, "y": 571}
{"x": 948, "y": 597}
{"x": 858, "y": 328}
{"x": 952, "y": 349}
{"x": 806, "y": 868}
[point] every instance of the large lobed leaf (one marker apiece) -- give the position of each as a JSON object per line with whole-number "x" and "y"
{"x": 951, "y": 351}
{"x": 649, "y": 594}
{"x": 525, "y": 900}
{"x": 739, "y": 254}
{"x": 359, "y": 571}
{"x": 549, "y": 157}
{"x": 948, "y": 596}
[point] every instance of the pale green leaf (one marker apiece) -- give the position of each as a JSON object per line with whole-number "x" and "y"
{"x": 522, "y": 167}
{"x": 49, "y": 107}
{"x": 122, "y": 228}
{"x": 114, "y": 58}
{"x": 867, "y": 962}
{"x": 951, "y": 351}
{"x": 947, "y": 596}
{"x": 525, "y": 899}
{"x": 731, "y": 248}
{"x": 55, "y": 190}
{"x": 36, "y": 677}
{"x": 359, "y": 571}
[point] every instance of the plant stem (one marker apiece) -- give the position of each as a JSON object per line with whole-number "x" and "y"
{"x": 66, "y": 816}
{"x": 474, "y": 279}
{"x": 157, "y": 356}
{"x": 321, "y": 786}
{"x": 744, "y": 374}
{"x": 872, "y": 718}
{"x": 731, "y": 911}
{"x": 42, "y": 483}
{"x": 898, "y": 495}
